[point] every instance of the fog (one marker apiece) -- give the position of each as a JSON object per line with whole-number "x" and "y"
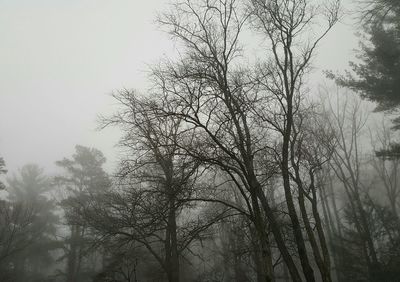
{"x": 60, "y": 61}
{"x": 199, "y": 141}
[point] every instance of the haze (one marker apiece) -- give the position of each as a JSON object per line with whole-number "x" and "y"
{"x": 61, "y": 60}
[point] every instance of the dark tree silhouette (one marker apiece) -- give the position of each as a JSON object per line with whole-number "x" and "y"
{"x": 375, "y": 76}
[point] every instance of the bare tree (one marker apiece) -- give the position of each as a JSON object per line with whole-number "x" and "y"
{"x": 155, "y": 182}
{"x": 347, "y": 119}
{"x": 213, "y": 99}
{"x": 284, "y": 24}
{"x": 222, "y": 104}
{"x": 386, "y": 163}
{"x": 16, "y": 220}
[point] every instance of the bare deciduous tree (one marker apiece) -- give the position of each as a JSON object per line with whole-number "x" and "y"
{"x": 222, "y": 104}
{"x": 386, "y": 163}
{"x": 347, "y": 119}
{"x": 149, "y": 204}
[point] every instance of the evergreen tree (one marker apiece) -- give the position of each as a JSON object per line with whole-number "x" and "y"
{"x": 376, "y": 76}
{"x": 84, "y": 175}
{"x": 29, "y": 190}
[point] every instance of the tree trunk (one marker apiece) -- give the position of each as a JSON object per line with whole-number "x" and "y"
{"x": 276, "y": 231}
{"x": 72, "y": 259}
{"x": 20, "y": 269}
{"x": 265, "y": 271}
{"x": 332, "y": 233}
{"x": 321, "y": 263}
{"x": 374, "y": 265}
{"x": 297, "y": 232}
{"x": 172, "y": 255}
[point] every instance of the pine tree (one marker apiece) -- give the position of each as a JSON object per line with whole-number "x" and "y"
{"x": 376, "y": 76}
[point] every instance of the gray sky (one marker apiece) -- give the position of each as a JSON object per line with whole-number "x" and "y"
{"x": 60, "y": 60}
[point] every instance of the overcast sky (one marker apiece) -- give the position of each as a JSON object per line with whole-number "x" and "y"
{"x": 61, "y": 59}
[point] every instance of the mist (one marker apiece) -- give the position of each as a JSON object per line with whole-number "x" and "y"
{"x": 199, "y": 140}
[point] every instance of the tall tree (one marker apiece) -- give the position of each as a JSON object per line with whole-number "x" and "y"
{"x": 222, "y": 105}
{"x": 84, "y": 175}
{"x": 210, "y": 97}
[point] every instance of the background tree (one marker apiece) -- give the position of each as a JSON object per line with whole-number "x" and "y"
{"x": 376, "y": 74}
{"x": 28, "y": 194}
{"x": 15, "y": 222}
{"x": 366, "y": 227}
{"x": 3, "y": 170}
{"x": 386, "y": 161}
{"x": 84, "y": 175}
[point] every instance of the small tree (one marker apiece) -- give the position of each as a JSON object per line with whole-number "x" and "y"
{"x": 3, "y": 170}
{"x": 15, "y": 223}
